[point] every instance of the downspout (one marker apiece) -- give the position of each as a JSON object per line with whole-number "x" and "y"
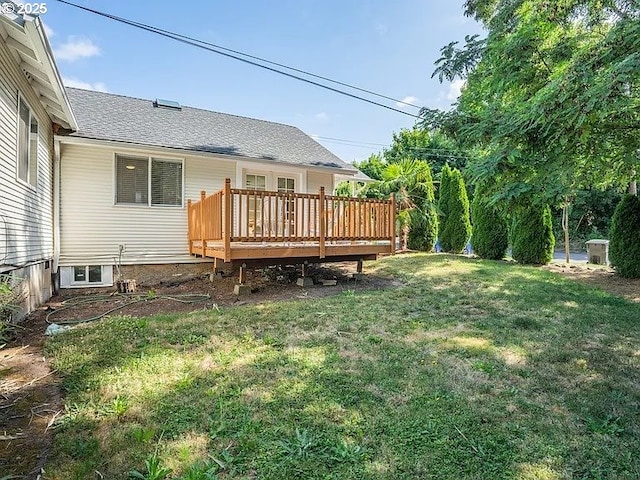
{"x": 56, "y": 212}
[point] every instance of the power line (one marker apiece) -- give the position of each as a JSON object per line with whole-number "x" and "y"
{"x": 362, "y": 144}
{"x": 215, "y": 49}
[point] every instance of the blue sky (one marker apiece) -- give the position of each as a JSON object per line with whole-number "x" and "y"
{"x": 387, "y": 47}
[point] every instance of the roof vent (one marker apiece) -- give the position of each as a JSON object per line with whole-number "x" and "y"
{"x": 170, "y": 104}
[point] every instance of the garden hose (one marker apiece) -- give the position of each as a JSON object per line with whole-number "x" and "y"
{"x": 127, "y": 299}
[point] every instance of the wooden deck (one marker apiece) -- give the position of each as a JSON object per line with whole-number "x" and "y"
{"x": 256, "y": 226}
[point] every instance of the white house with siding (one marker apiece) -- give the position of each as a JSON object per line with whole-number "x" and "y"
{"x": 33, "y": 104}
{"x": 128, "y": 171}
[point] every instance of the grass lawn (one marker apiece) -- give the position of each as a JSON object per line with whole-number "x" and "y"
{"x": 470, "y": 370}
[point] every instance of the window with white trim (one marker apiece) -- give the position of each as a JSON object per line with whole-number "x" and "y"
{"x": 28, "y": 142}
{"x": 81, "y": 276}
{"x": 148, "y": 181}
{"x": 87, "y": 274}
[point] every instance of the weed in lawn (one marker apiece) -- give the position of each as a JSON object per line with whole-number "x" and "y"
{"x": 201, "y": 471}
{"x": 302, "y": 445}
{"x": 143, "y": 435}
{"x": 345, "y": 451}
{"x": 119, "y": 406}
{"x": 154, "y": 469}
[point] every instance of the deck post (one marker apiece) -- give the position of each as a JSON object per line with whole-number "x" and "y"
{"x": 189, "y": 226}
{"x": 226, "y": 231}
{"x": 359, "y": 266}
{"x": 243, "y": 273}
{"x": 392, "y": 222}
{"x": 323, "y": 223}
{"x": 203, "y": 195}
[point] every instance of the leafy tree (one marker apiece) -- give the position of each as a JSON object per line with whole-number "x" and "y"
{"x": 411, "y": 181}
{"x": 551, "y": 95}
{"x": 490, "y": 234}
{"x": 372, "y": 166}
{"x": 431, "y": 146}
{"x": 344, "y": 189}
{"x": 532, "y": 235}
{"x": 624, "y": 246}
{"x": 456, "y": 230}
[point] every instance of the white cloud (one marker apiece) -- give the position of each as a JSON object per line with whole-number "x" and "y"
{"x": 75, "y": 48}
{"x": 75, "y": 83}
{"x": 322, "y": 116}
{"x": 48, "y": 31}
{"x": 408, "y": 99}
{"x": 454, "y": 89}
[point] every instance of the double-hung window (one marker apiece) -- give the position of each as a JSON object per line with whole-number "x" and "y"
{"x": 148, "y": 181}
{"x": 27, "y": 144}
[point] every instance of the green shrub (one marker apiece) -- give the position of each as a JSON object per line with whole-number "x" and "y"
{"x": 423, "y": 217}
{"x": 490, "y": 236}
{"x": 532, "y": 235}
{"x": 456, "y": 229}
{"x": 424, "y": 228}
{"x": 443, "y": 194}
{"x": 624, "y": 237}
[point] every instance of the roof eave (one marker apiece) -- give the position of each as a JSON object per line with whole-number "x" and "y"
{"x": 79, "y": 139}
{"x": 30, "y": 46}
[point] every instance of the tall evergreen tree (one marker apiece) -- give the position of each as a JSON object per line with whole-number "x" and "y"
{"x": 456, "y": 229}
{"x": 532, "y": 235}
{"x": 443, "y": 195}
{"x": 490, "y": 234}
{"x": 624, "y": 246}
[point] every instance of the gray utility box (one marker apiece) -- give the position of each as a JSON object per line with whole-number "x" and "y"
{"x": 598, "y": 252}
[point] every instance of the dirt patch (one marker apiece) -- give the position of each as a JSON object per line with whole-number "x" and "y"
{"x": 600, "y": 277}
{"x": 30, "y": 398}
{"x": 30, "y": 401}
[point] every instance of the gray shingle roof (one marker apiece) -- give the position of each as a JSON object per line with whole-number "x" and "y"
{"x": 105, "y": 116}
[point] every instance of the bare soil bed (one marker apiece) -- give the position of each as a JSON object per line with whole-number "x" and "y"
{"x": 603, "y": 278}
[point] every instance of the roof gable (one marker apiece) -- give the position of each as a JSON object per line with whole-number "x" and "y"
{"x": 105, "y": 116}
{"x": 24, "y": 36}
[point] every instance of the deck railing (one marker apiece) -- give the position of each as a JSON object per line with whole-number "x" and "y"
{"x": 243, "y": 215}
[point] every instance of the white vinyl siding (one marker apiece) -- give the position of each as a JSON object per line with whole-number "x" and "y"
{"x": 26, "y": 213}
{"x": 315, "y": 180}
{"x": 92, "y": 227}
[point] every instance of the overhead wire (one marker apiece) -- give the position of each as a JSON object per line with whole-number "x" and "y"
{"x": 227, "y": 53}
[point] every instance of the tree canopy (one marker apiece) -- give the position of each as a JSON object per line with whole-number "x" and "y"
{"x": 434, "y": 147}
{"x": 552, "y": 96}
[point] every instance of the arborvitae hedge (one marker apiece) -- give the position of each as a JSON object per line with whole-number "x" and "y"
{"x": 456, "y": 231}
{"x": 424, "y": 217}
{"x": 624, "y": 237}
{"x": 443, "y": 195}
{"x": 490, "y": 238}
{"x": 424, "y": 228}
{"x": 532, "y": 235}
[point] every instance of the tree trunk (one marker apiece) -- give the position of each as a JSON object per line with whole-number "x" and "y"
{"x": 633, "y": 188}
{"x": 565, "y": 229}
{"x": 405, "y": 238}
